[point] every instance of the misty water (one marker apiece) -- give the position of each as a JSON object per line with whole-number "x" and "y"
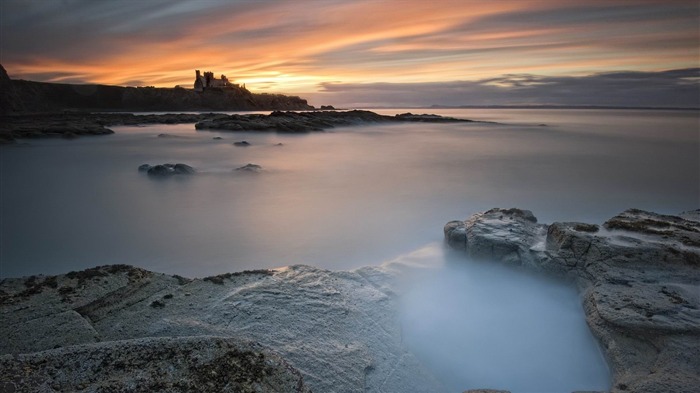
{"x": 477, "y": 324}
{"x": 360, "y": 196}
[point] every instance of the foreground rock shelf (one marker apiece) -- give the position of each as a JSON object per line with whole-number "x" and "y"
{"x": 639, "y": 275}
{"x": 299, "y": 328}
{"x": 72, "y": 125}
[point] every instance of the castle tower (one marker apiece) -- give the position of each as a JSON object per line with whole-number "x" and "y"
{"x": 198, "y": 84}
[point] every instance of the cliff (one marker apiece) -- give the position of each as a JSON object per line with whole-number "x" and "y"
{"x": 20, "y": 96}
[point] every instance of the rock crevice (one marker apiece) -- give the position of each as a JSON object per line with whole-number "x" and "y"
{"x": 639, "y": 277}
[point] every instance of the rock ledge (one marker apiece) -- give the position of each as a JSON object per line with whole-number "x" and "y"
{"x": 639, "y": 276}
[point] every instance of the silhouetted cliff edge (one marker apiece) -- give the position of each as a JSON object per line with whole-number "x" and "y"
{"x": 18, "y": 96}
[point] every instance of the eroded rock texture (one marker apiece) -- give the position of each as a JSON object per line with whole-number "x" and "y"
{"x": 182, "y": 364}
{"x": 639, "y": 276}
{"x": 339, "y": 331}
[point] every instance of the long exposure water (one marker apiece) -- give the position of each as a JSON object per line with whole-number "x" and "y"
{"x": 338, "y": 200}
{"x": 359, "y": 196}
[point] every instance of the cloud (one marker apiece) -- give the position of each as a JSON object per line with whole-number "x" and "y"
{"x": 299, "y": 44}
{"x": 672, "y": 88}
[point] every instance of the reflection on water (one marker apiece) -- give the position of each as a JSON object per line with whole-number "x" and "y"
{"x": 483, "y": 325}
{"x": 337, "y": 200}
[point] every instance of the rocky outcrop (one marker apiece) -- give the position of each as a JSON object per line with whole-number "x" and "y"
{"x": 312, "y": 121}
{"x": 10, "y": 101}
{"x": 77, "y": 124}
{"x": 112, "y": 324}
{"x": 639, "y": 276}
{"x": 71, "y": 125}
{"x": 167, "y": 170}
{"x": 254, "y": 168}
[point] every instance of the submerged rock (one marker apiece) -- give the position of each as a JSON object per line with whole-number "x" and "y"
{"x": 241, "y": 143}
{"x": 250, "y": 168}
{"x": 640, "y": 281}
{"x": 165, "y": 170}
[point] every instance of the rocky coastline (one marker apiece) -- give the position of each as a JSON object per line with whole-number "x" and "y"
{"x": 72, "y": 125}
{"x": 638, "y": 275}
{"x": 301, "y": 328}
{"x": 313, "y": 121}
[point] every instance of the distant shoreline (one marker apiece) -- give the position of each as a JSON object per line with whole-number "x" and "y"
{"x": 69, "y": 124}
{"x": 530, "y": 107}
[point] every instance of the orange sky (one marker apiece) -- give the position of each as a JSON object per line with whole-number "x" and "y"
{"x": 295, "y": 46}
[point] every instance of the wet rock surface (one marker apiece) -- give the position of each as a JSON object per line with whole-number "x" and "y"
{"x": 255, "y": 168}
{"x": 339, "y": 330}
{"x": 166, "y": 170}
{"x": 72, "y": 125}
{"x": 639, "y": 276}
{"x": 312, "y": 121}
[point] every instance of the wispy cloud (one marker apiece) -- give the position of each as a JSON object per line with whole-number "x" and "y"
{"x": 674, "y": 88}
{"x": 295, "y": 46}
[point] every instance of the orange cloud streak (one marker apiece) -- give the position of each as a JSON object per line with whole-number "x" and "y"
{"x": 294, "y": 46}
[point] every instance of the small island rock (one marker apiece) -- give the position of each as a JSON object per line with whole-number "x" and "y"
{"x": 164, "y": 170}
{"x": 250, "y": 168}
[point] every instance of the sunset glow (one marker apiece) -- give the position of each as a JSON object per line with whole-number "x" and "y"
{"x": 296, "y": 47}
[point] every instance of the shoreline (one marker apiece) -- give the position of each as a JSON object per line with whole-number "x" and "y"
{"x": 633, "y": 303}
{"x": 74, "y": 124}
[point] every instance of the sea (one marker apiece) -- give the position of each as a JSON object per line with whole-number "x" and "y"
{"x": 357, "y": 196}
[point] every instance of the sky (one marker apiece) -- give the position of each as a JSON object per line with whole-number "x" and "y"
{"x": 371, "y": 52}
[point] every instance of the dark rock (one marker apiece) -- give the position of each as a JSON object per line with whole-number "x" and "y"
{"x": 18, "y": 96}
{"x": 410, "y": 117}
{"x": 75, "y": 123}
{"x": 250, "y": 168}
{"x": 164, "y": 170}
{"x": 157, "y": 304}
{"x": 161, "y": 170}
{"x": 184, "y": 364}
{"x": 311, "y": 121}
{"x": 674, "y": 228}
{"x": 241, "y": 143}
{"x": 581, "y": 227}
{"x": 183, "y": 169}
{"x": 217, "y": 138}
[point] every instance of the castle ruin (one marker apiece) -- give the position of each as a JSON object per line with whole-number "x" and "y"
{"x": 208, "y": 80}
